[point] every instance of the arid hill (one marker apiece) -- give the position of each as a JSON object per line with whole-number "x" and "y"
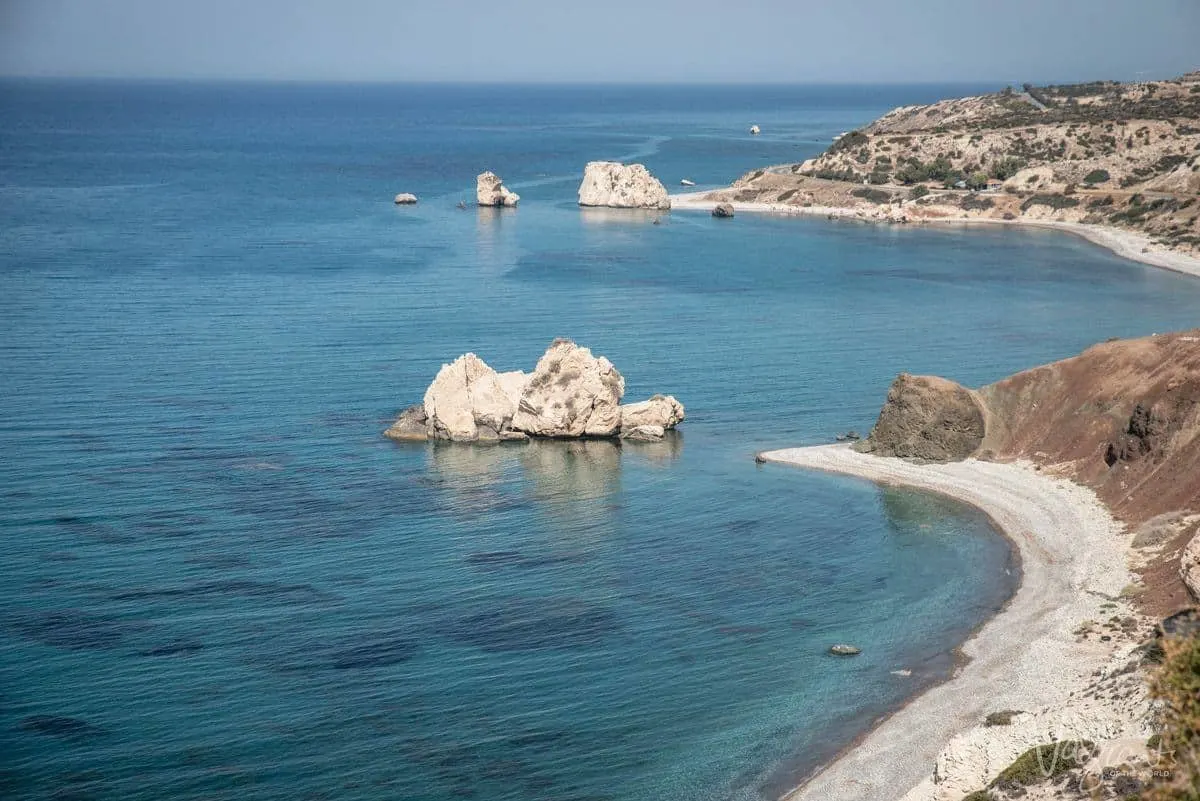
{"x": 1123, "y": 418}
{"x": 1120, "y": 154}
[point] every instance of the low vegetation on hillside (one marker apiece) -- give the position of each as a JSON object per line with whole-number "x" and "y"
{"x": 1121, "y": 154}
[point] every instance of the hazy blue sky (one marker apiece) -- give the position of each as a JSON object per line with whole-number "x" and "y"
{"x": 607, "y": 40}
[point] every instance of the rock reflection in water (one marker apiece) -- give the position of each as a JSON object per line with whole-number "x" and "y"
{"x": 574, "y": 481}
{"x": 599, "y": 215}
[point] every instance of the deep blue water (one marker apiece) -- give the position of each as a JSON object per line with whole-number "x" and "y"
{"x": 219, "y": 580}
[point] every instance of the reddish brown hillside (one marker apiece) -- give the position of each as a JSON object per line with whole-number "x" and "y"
{"x": 1122, "y": 417}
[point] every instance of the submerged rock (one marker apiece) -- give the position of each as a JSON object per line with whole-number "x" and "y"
{"x": 621, "y": 186}
{"x": 405, "y": 199}
{"x": 841, "y": 649}
{"x": 60, "y": 726}
{"x": 490, "y": 191}
{"x": 926, "y": 417}
{"x": 723, "y": 210}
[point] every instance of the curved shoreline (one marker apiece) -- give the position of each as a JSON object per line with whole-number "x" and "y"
{"x": 1026, "y": 657}
{"x": 1126, "y": 244}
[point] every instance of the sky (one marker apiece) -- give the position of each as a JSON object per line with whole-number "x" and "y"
{"x": 726, "y": 41}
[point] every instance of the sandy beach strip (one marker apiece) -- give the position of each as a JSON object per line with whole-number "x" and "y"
{"x": 1127, "y": 244}
{"x": 1027, "y": 657}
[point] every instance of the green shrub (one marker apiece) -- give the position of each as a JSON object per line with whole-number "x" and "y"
{"x": 977, "y": 180}
{"x": 1045, "y": 762}
{"x": 974, "y": 203}
{"x": 849, "y": 142}
{"x": 1177, "y": 688}
{"x": 1096, "y": 177}
{"x": 1053, "y": 201}
{"x": 1006, "y": 168}
{"x": 873, "y": 195}
{"x": 1001, "y": 718}
{"x": 918, "y": 192}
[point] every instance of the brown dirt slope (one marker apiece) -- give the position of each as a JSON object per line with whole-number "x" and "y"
{"x": 1122, "y": 417}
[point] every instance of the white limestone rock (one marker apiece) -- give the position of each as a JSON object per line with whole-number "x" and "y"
{"x": 490, "y": 191}
{"x": 468, "y": 401}
{"x": 405, "y": 199}
{"x": 621, "y": 186}
{"x": 571, "y": 393}
{"x": 661, "y": 411}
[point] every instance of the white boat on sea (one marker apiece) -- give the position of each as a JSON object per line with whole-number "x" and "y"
{"x": 686, "y": 182}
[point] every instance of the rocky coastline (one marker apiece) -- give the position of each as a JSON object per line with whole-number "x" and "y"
{"x": 1115, "y": 163}
{"x": 1089, "y": 466}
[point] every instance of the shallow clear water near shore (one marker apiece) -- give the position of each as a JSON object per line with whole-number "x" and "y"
{"x": 219, "y": 569}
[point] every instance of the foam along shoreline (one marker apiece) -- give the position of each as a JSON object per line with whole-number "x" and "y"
{"x": 1027, "y": 657}
{"x": 1127, "y": 244}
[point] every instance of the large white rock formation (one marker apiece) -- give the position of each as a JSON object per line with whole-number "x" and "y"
{"x": 469, "y": 401}
{"x": 621, "y": 186}
{"x": 571, "y": 393}
{"x": 490, "y": 191}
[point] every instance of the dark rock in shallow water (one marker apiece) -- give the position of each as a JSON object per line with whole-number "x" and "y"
{"x": 374, "y": 653}
{"x": 529, "y": 625}
{"x": 723, "y": 210}
{"x": 58, "y": 726}
{"x": 174, "y": 648}
{"x": 842, "y": 649}
{"x": 71, "y": 629}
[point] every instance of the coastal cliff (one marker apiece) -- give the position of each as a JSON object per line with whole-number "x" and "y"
{"x": 1085, "y": 684}
{"x": 1120, "y": 155}
{"x": 1122, "y": 418}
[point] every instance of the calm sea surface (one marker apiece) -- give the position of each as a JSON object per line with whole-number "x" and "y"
{"x": 220, "y": 581}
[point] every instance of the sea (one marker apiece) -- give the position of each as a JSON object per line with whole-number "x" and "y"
{"x": 220, "y": 581}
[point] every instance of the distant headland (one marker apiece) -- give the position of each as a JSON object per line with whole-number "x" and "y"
{"x": 1118, "y": 163}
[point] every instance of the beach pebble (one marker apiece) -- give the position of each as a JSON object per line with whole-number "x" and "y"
{"x": 842, "y": 649}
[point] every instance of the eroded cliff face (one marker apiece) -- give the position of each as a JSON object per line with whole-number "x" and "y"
{"x": 1123, "y": 417}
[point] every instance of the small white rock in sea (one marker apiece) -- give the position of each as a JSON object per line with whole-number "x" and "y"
{"x": 755, "y": 130}
{"x": 841, "y": 649}
{"x": 405, "y": 199}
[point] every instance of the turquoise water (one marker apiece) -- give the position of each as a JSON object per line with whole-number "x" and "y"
{"x": 220, "y": 580}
